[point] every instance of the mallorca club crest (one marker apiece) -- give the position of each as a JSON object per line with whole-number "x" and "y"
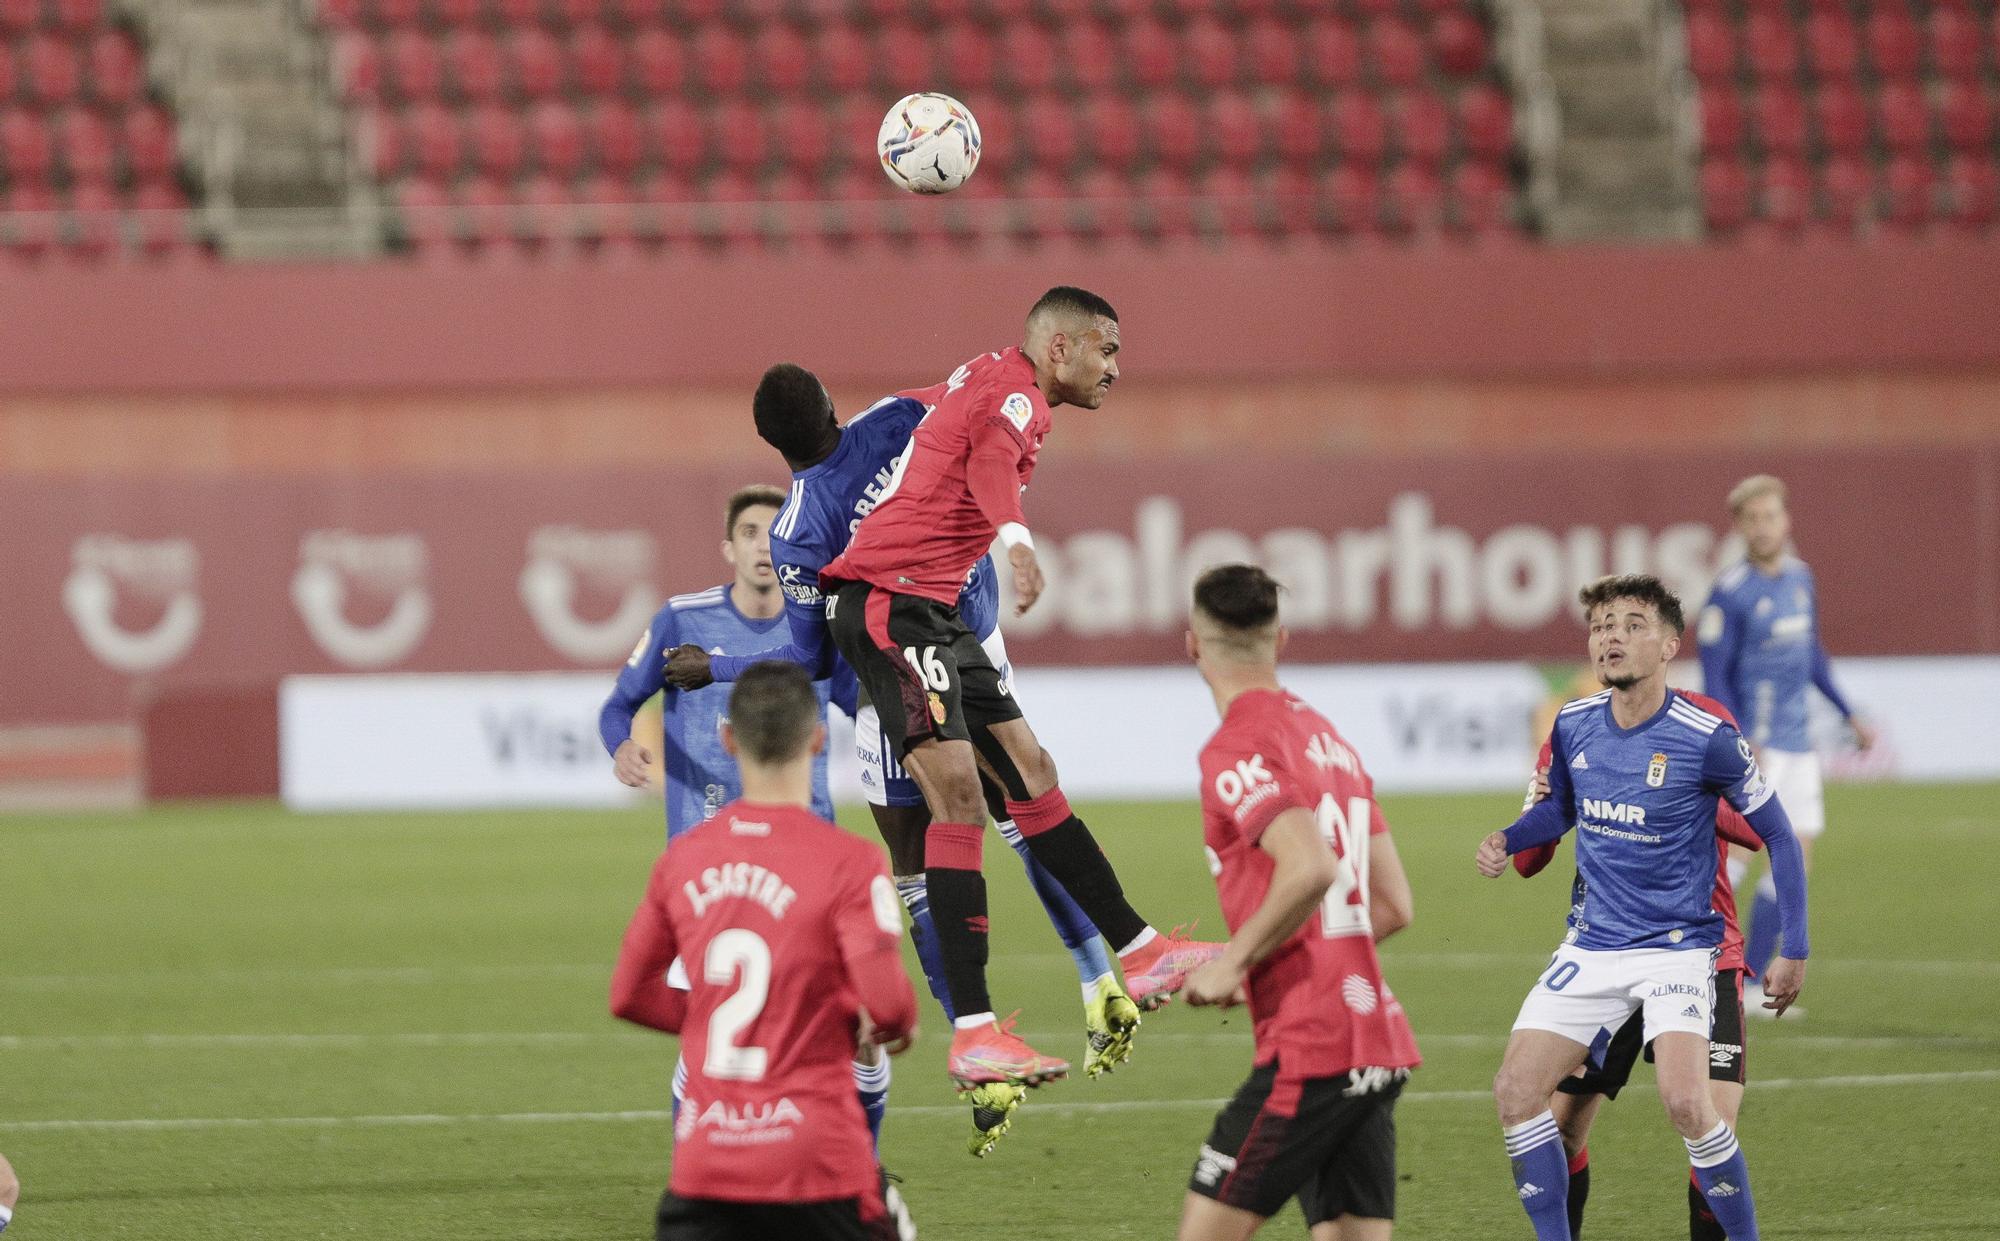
{"x": 1656, "y": 771}
{"x": 937, "y": 709}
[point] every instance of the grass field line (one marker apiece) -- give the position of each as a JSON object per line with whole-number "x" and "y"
{"x": 414, "y": 1119}
{"x": 425, "y": 975}
{"x": 359, "y": 1040}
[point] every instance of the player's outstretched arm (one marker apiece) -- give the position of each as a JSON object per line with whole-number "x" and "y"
{"x": 805, "y": 620}
{"x": 639, "y": 990}
{"x": 1302, "y": 870}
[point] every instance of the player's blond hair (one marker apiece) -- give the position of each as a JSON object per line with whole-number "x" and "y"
{"x": 1755, "y": 487}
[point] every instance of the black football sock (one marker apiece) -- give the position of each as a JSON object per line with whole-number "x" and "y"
{"x": 958, "y": 911}
{"x": 1579, "y": 1193}
{"x": 1702, "y": 1224}
{"x": 1071, "y": 854}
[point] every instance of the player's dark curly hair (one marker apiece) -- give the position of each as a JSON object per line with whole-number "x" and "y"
{"x": 1640, "y": 586}
{"x": 792, "y": 410}
{"x": 1072, "y": 300}
{"x": 1241, "y": 596}
{"x": 772, "y": 711}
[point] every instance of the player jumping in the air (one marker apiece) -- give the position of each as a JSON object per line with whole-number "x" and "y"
{"x": 1638, "y": 770}
{"x": 1761, "y": 655}
{"x": 1580, "y": 1095}
{"x": 790, "y": 927}
{"x": 838, "y": 474}
{"x": 743, "y": 615}
{"x": 892, "y": 611}
{"x": 1309, "y": 881}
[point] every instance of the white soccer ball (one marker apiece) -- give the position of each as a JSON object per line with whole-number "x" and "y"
{"x": 929, "y": 143}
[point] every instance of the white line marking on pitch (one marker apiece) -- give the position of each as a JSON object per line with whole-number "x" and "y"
{"x": 928, "y": 1109}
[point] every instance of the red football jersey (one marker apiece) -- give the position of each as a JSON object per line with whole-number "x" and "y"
{"x": 1318, "y": 1004}
{"x": 1730, "y": 828}
{"x": 957, "y": 483}
{"x": 788, "y": 927}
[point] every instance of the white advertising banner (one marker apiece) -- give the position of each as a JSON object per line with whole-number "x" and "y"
{"x": 372, "y": 742}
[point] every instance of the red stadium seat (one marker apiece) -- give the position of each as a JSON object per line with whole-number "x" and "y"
{"x": 1422, "y": 128}
{"x": 27, "y": 149}
{"x": 19, "y": 16}
{"x": 425, "y": 212}
{"x": 963, "y": 57}
{"x": 597, "y": 61}
{"x": 1846, "y": 193}
{"x": 1293, "y": 118}
{"x": 1965, "y": 114}
{"x": 696, "y": 12}
{"x": 336, "y": 14}
{"x": 1911, "y": 189}
{"x": 507, "y": 14}
{"x": 1954, "y": 44}
{"x": 357, "y": 66}
{"x": 499, "y": 148}
{"x": 803, "y": 135}
{"x": 555, "y": 138}
{"x": 573, "y": 13}
{"x": 1115, "y": 143}
{"x": 28, "y": 214}
{"x": 1395, "y": 52}
{"x": 614, "y": 136}
{"x": 1367, "y": 9}
{"x": 1725, "y": 195}
{"x": 1350, "y": 198}
{"x": 1482, "y": 199}
{"x": 457, "y": 15}
{"x": 1090, "y": 56}
{"x": 1027, "y": 58}
{"x": 1172, "y": 129}
{"x": 412, "y": 68}
{"x": 1785, "y": 194}
{"x": 1208, "y": 54}
{"x": 737, "y": 135}
{"x": 1841, "y": 116}
{"x": 433, "y": 141}
{"x": 639, "y": 14}
{"x": 1150, "y": 54}
{"x": 1485, "y": 121}
{"x": 150, "y": 147}
{"x": 160, "y": 218}
{"x": 535, "y": 63}
{"x": 1000, "y": 146}
{"x": 1459, "y": 44}
{"x": 379, "y": 133}
{"x": 900, "y": 59}
{"x": 1359, "y": 130}
{"x": 1414, "y": 197}
{"x": 676, "y": 130}
{"x": 1101, "y": 205}
{"x": 604, "y": 210}
{"x": 78, "y": 17}
{"x": 395, "y": 14}
{"x": 94, "y": 221}
{"x": 1833, "y": 45}
{"x": 1722, "y": 123}
{"x": 1271, "y": 53}
{"x": 1164, "y": 205}
{"x": 1049, "y": 133}
{"x": 1227, "y": 203}
{"x": 1895, "y": 46}
{"x": 1286, "y": 201}
{"x": 85, "y": 142}
{"x": 843, "y": 60}
{"x": 9, "y": 76}
{"x": 474, "y": 66}
{"x": 1332, "y": 53}
{"x": 781, "y": 59}
{"x": 1902, "y": 117}
{"x": 546, "y": 211}
{"x": 660, "y": 212}
{"x": 1771, "y": 42}
{"x": 486, "y": 212}
{"x": 117, "y": 69}
{"x": 1972, "y": 188}
{"x": 1711, "y": 47}
{"x": 1235, "y": 132}
{"x": 50, "y": 72}
{"x": 658, "y": 63}
{"x": 1780, "y": 119}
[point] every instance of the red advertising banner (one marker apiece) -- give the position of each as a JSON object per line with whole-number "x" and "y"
{"x": 110, "y": 590}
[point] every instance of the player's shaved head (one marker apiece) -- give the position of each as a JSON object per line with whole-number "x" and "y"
{"x": 773, "y": 712}
{"x": 1067, "y": 308}
{"x": 1236, "y": 612}
{"x": 1640, "y": 588}
{"x": 794, "y": 414}
{"x": 1072, "y": 339}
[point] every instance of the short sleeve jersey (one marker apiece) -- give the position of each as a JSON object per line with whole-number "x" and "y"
{"x": 1319, "y": 1004}
{"x": 760, "y": 899}
{"x": 927, "y": 531}
{"x": 1643, "y": 801}
{"x": 1768, "y": 626}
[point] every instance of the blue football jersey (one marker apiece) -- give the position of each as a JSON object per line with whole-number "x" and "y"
{"x": 1761, "y": 652}
{"x": 825, "y": 507}
{"x": 701, "y": 776}
{"x": 1643, "y": 804}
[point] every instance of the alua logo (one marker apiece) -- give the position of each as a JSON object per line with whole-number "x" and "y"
{"x": 742, "y": 1117}
{"x": 568, "y": 566}
{"x": 335, "y": 566}
{"x": 105, "y": 568}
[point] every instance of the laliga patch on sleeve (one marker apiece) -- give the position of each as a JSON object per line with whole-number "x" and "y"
{"x": 639, "y": 651}
{"x": 1018, "y": 409}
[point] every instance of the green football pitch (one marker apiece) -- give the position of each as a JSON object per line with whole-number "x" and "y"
{"x": 234, "y": 1022}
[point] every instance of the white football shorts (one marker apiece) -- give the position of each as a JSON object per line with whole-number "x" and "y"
{"x": 1584, "y": 994}
{"x": 1796, "y": 780}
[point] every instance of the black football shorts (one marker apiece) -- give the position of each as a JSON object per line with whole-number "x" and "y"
{"x": 1330, "y": 1142}
{"x": 922, "y": 668}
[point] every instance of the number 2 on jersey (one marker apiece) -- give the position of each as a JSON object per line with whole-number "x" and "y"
{"x": 1344, "y": 912}
{"x": 733, "y": 950}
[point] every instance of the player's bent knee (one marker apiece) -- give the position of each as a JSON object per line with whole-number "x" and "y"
{"x": 1205, "y": 1219}
{"x": 1690, "y": 1111}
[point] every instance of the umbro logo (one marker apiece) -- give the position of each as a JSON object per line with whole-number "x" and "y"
{"x": 1579, "y": 763}
{"x": 1531, "y": 1190}
{"x": 1692, "y": 1010}
{"x": 1723, "y": 1189}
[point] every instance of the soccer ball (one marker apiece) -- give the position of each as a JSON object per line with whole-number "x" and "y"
{"x": 929, "y": 143}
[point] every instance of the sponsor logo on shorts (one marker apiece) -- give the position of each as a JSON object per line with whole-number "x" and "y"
{"x": 1722, "y": 1055}
{"x": 1678, "y": 988}
{"x": 1692, "y": 1010}
{"x": 1211, "y": 1164}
